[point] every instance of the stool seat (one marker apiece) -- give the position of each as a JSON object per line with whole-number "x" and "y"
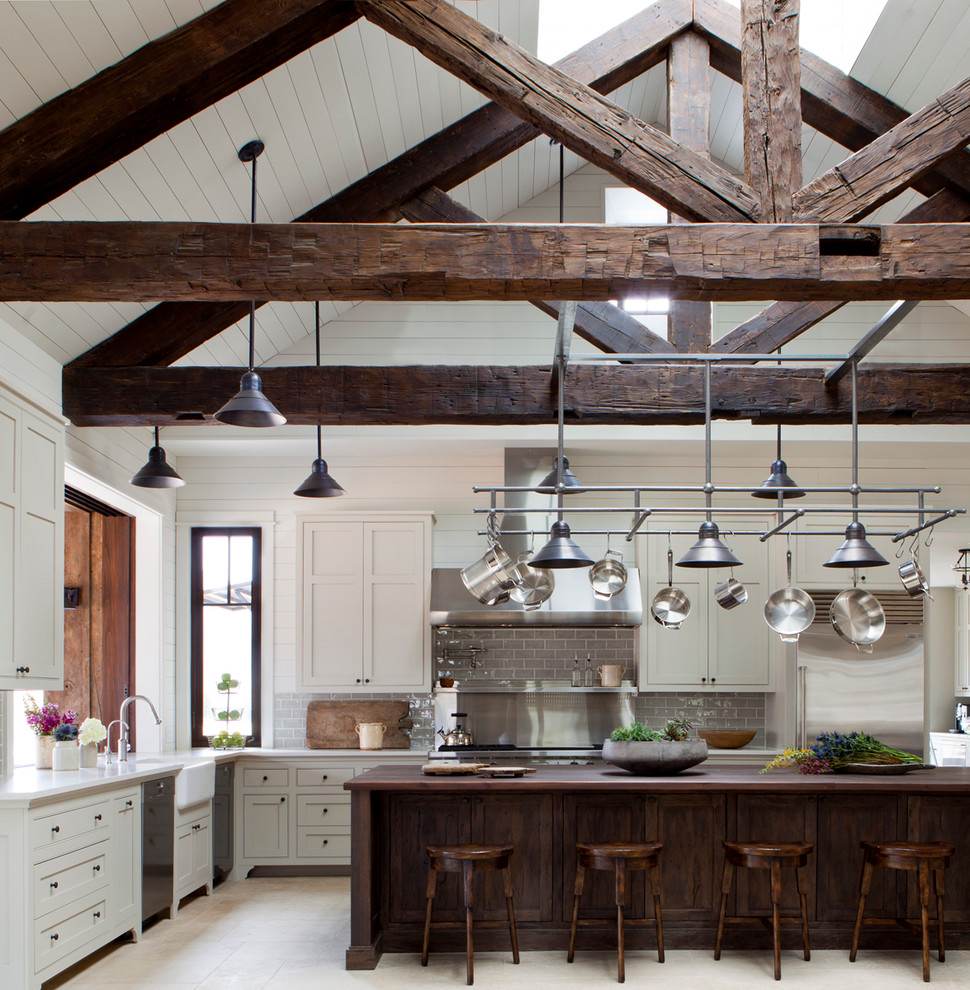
{"x": 618, "y": 858}
{"x": 923, "y": 858}
{"x": 773, "y": 856}
{"x": 465, "y": 859}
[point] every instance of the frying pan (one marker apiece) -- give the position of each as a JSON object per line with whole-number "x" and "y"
{"x": 789, "y": 611}
{"x": 534, "y": 585}
{"x": 670, "y": 605}
{"x": 858, "y": 618}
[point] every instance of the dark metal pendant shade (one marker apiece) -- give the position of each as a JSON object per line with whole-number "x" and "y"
{"x": 573, "y": 485}
{"x": 779, "y": 478}
{"x": 319, "y": 484}
{"x": 856, "y": 551}
{"x": 560, "y": 551}
{"x": 708, "y": 551}
{"x": 249, "y": 406}
{"x": 157, "y": 472}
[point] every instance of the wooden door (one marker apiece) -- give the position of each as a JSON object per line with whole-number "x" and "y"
{"x": 778, "y": 818}
{"x": 527, "y": 823}
{"x": 416, "y": 821}
{"x": 692, "y": 828}
{"x": 600, "y": 818}
{"x": 843, "y": 822}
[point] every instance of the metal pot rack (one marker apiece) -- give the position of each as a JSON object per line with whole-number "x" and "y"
{"x": 640, "y": 513}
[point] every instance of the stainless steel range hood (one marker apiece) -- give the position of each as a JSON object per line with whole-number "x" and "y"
{"x": 572, "y": 603}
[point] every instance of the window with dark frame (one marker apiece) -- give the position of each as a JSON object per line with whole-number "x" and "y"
{"x": 226, "y": 596}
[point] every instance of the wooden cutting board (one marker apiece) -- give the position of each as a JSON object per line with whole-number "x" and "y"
{"x": 330, "y": 724}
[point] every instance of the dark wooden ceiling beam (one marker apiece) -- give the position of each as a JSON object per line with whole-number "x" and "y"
{"x": 518, "y": 395}
{"x": 77, "y": 134}
{"x": 872, "y": 176}
{"x": 134, "y": 262}
{"x": 585, "y": 122}
{"x": 609, "y": 329}
{"x": 835, "y": 104}
{"x": 771, "y": 104}
{"x": 689, "y": 124}
{"x": 169, "y": 331}
{"x": 782, "y": 322}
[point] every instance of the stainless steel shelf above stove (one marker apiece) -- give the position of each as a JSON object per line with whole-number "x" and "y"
{"x": 520, "y": 686}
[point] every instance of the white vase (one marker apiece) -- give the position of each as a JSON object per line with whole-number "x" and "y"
{"x": 67, "y": 755}
{"x": 42, "y": 755}
{"x": 89, "y": 755}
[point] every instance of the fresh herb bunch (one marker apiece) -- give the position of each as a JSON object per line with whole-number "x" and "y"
{"x": 674, "y": 730}
{"x": 837, "y": 750}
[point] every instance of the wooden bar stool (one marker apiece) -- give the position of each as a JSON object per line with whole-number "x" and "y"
{"x": 918, "y": 857}
{"x": 619, "y": 858}
{"x": 767, "y": 856}
{"x": 465, "y": 859}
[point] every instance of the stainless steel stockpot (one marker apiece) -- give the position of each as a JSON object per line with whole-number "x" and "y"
{"x": 730, "y": 593}
{"x": 492, "y": 577}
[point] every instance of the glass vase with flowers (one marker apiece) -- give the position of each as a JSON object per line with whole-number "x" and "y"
{"x": 44, "y": 719}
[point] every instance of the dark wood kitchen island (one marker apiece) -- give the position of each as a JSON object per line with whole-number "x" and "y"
{"x": 397, "y": 812}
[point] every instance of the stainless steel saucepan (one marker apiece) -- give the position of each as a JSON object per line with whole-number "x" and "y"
{"x": 670, "y": 605}
{"x": 533, "y": 585}
{"x": 607, "y": 576}
{"x": 858, "y": 618}
{"x": 911, "y": 574}
{"x": 789, "y": 611}
{"x": 492, "y": 577}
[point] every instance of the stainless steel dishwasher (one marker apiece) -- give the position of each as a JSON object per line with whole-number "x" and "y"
{"x": 157, "y": 846}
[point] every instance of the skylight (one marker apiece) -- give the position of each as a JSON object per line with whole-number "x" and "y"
{"x": 835, "y": 30}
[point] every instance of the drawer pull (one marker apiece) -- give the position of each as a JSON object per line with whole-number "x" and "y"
{"x": 97, "y": 818}
{"x": 53, "y": 885}
{"x": 55, "y": 829}
{"x": 325, "y": 776}
{"x": 195, "y": 828}
{"x": 128, "y": 804}
{"x": 265, "y": 779}
{"x": 55, "y": 937}
{"x": 96, "y": 867}
{"x": 325, "y": 841}
{"x": 283, "y": 800}
{"x": 97, "y": 914}
{"x": 325, "y": 810}
{"x": 23, "y": 670}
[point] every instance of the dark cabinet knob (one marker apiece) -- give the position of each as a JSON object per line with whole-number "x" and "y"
{"x": 23, "y": 670}
{"x": 714, "y": 680}
{"x": 703, "y": 680}
{"x": 265, "y": 779}
{"x": 55, "y": 937}
{"x": 325, "y": 776}
{"x": 97, "y": 818}
{"x": 325, "y": 841}
{"x": 358, "y": 680}
{"x": 55, "y": 829}
{"x": 283, "y": 800}
{"x": 196, "y": 827}
{"x": 325, "y": 810}
{"x": 54, "y": 885}
{"x": 97, "y": 914}
{"x": 96, "y": 868}
{"x": 367, "y": 680}
{"x": 127, "y": 804}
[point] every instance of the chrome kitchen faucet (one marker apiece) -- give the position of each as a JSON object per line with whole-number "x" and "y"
{"x": 123, "y": 732}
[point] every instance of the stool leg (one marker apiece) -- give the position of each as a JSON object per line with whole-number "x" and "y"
{"x": 939, "y": 888}
{"x": 577, "y": 893}
{"x": 432, "y": 886}
{"x": 803, "y": 907}
{"x": 658, "y": 916}
{"x": 726, "y": 878}
{"x": 864, "y": 885}
{"x": 619, "y": 873}
{"x": 775, "y": 915}
{"x": 510, "y": 907}
{"x": 467, "y": 870}
{"x": 923, "y": 882}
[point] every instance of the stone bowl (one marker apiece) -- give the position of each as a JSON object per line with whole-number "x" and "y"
{"x": 655, "y": 759}
{"x": 726, "y": 738}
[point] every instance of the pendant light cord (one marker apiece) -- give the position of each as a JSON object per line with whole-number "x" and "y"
{"x": 316, "y": 316}
{"x": 252, "y": 303}
{"x": 560, "y": 357}
{"x": 156, "y": 436}
{"x": 708, "y": 493}
{"x": 855, "y": 442}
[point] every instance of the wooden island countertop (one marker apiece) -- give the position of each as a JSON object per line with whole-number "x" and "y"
{"x": 397, "y": 811}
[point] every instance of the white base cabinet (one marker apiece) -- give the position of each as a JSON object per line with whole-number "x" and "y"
{"x": 71, "y": 876}
{"x": 193, "y": 851}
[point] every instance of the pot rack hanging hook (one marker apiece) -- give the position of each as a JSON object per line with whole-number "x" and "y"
{"x": 928, "y": 542}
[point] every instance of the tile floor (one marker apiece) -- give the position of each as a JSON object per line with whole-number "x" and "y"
{"x": 291, "y": 933}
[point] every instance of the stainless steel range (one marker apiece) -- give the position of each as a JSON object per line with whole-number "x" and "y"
{"x": 496, "y": 752}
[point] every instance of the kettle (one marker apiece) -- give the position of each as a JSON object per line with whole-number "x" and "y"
{"x": 457, "y": 736}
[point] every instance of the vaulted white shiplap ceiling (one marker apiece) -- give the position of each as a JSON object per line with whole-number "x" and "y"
{"x": 340, "y": 110}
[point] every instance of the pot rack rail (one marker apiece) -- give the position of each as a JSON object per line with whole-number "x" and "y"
{"x": 640, "y": 514}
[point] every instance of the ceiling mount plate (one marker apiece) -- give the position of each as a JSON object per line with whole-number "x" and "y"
{"x": 250, "y": 152}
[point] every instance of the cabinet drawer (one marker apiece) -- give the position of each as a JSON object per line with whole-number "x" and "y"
{"x": 52, "y": 831}
{"x": 69, "y": 878}
{"x": 312, "y": 843}
{"x": 55, "y": 937}
{"x": 334, "y": 777}
{"x": 273, "y": 777}
{"x": 323, "y": 811}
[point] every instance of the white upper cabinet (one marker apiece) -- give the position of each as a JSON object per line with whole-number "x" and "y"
{"x": 31, "y": 547}
{"x": 365, "y": 599}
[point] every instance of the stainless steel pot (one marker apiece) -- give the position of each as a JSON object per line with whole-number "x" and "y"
{"x": 858, "y": 618}
{"x": 457, "y": 736}
{"x": 789, "y": 611}
{"x": 608, "y": 576}
{"x": 491, "y": 578}
{"x": 913, "y": 579}
{"x": 670, "y": 605}
{"x": 533, "y": 585}
{"x": 730, "y": 593}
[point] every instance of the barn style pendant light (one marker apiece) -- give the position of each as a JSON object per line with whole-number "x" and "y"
{"x": 249, "y": 406}
{"x": 157, "y": 472}
{"x": 962, "y": 567}
{"x": 319, "y": 484}
{"x": 856, "y": 551}
{"x": 779, "y": 483}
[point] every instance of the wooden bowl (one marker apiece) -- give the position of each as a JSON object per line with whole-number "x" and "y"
{"x": 726, "y": 738}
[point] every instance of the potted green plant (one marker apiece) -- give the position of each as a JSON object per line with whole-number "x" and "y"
{"x": 227, "y": 739}
{"x": 649, "y": 753}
